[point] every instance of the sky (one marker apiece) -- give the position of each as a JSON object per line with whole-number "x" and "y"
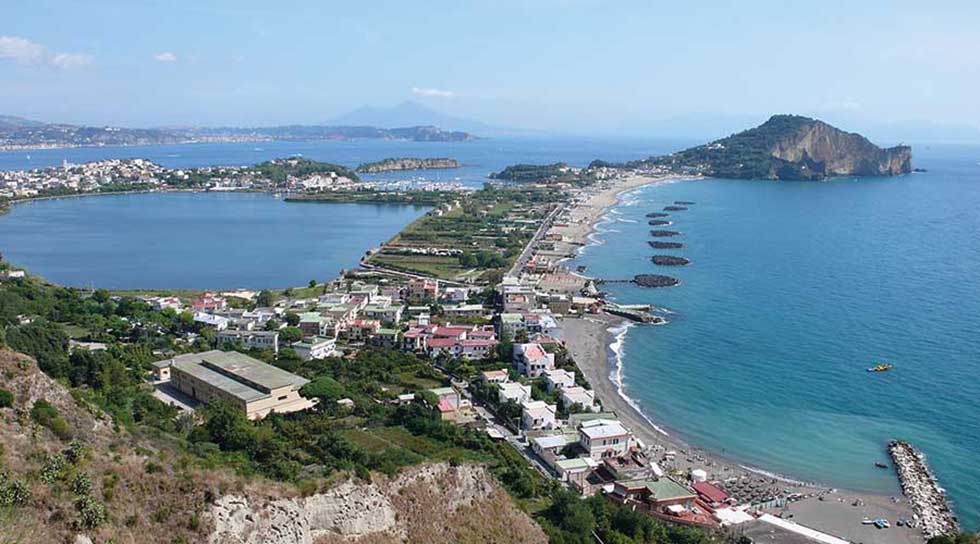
{"x": 561, "y": 65}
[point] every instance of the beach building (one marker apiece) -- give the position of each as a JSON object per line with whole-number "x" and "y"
{"x": 575, "y": 471}
{"x": 513, "y": 391}
{"x": 558, "y": 378}
{"x": 538, "y": 415}
{"x": 603, "y": 438}
{"x": 254, "y": 387}
{"x": 710, "y": 494}
{"x": 579, "y": 396}
{"x": 657, "y": 495}
{"x": 315, "y": 347}
{"x": 314, "y": 324}
{"x": 532, "y": 360}
{"x": 518, "y": 298}
{"x": 251, "y": 339}
{"x": 549, "y": 446}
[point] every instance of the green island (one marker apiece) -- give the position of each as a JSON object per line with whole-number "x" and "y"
{"x": 406, "y": 163}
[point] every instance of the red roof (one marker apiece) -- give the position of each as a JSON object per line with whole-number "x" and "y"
{"x": 479, "y": 342}
{"x": 441, "y": 342}
{"x": 533, "y": 351}
{"x": 710, "y": 492}
{"x": 446, "y": 406}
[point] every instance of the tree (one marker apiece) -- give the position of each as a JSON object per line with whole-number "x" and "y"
{"x": 312, "y": 284}
{"x": 272, "y": 325}
{"x": 291, "y": 334}
{"x": 292, "y": 319}
{"x": 6, "y": 398}
{"x": 264, "y": 299}
{"x": 325, "y": 388}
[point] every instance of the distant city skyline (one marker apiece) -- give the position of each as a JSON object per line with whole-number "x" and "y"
{"x": 566, "y": 66}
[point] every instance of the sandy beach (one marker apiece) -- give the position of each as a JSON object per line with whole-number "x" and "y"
{"x": 589, "y": 340}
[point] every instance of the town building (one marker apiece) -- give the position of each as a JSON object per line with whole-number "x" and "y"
{"x": 537, "y": 415}
{"x": 315, "y": 347}
{"x": 604, "y": 438}
{"x": 532, "y": 360}
{"x": 558, "y": 378}
{"x": 578, "y": 396}
{"x": 513, "y": 391}
{"x": 250, "y": 339}
{"x": 254, "y": 387}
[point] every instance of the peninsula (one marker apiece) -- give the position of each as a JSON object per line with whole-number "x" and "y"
{"x": 790, "y": 147}
{"x": 406, "y": 163}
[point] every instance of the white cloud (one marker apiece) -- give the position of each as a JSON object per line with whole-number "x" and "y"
{"x": 165, "y": 56}
{"x": 437, "y": 93}
{"x": 26, "y": 52}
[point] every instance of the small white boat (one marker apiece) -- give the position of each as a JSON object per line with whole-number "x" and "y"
{"x": 867, "y": 521}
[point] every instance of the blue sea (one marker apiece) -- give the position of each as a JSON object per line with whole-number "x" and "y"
{"x": 793, "y": 290}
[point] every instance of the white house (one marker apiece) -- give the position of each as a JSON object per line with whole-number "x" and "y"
{"x": 559, "y": 378}
{"x": 494, "y": 376}
{"x": 317, "y": 347}
{"x": 604, "y": 438}
{"x": 581, "y": 396}
{"x": 532, "y": 360}
{"x": 251, "y": 339}
{"x": 513, "y": 391}
{"x": 538, "y": 414}
{"x": 216, "y": 321}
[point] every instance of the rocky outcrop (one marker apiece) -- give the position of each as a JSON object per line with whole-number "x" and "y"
{"x": 833, "y": 152}
{"x": 664, "y": 233}
{"x": 675, "y": 208}
{"x": 430, "y": 503}
{"x": 406, "y": 163}
{"x": 658, "y": 222}
{"x": 654, "y": 215}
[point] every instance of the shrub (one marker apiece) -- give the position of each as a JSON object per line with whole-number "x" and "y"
{"x": 54, "y": 468}
{"x": 13, "y": 492}
{"x": 6, "y": 398}
{"x": 91, "y": 513}
{"x": 82, "y": 484}
{"x": 47, "y": 415}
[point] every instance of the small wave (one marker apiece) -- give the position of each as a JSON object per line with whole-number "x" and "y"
{"x": 775, "y": 476}
{"x": 616, "y": 349}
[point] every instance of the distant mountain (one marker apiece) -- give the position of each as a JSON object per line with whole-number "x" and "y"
{"x": 8, "y": 122}
{"x": 791, "y": 147}
{"x": 22, "y": 133}
{"x": 410, "y": 113}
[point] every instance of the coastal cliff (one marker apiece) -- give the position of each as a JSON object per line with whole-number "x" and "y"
{"x": 791, "y": 147}
{"x": 406, "y": 163}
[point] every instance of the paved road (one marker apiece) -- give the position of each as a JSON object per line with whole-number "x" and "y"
{"x": 528, "y": 249}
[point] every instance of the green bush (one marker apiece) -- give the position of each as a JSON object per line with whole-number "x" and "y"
{"x": 6, "y": 398}
{"x": 91, "y": 513}
{"x": 46, "y": 415}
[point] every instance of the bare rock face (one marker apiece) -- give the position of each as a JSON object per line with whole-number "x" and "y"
{"x": 430, "y": 503}
{"x": 839, "y": 153}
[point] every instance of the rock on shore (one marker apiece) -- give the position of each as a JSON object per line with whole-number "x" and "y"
{"x": 664, "y": 233}
{"x": 655, "y": 280}
{"x": 669, "y": 260}
{"x": 665, "y": 245}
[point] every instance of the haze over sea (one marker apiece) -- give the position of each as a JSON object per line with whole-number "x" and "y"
{"x": 793, "y": 291}
{"x": 794, "y": 288}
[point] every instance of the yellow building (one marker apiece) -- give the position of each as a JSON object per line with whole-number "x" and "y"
{"x": 255, "y": 387}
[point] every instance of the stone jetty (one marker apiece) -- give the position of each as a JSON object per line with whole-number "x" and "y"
{"x": 669, "y": 260}
{"x": 658, "y": 222}
{"x": 928, "y": 500}
{"x": 674, "y": 208}
{"x": 663, "y": 233}
{"x": 654, "y": 215}
{"x": 655, "y": 280}
{"x": 657, "y": 244}
{"x": 683, "y": 203}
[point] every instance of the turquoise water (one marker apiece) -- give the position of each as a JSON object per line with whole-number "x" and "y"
{"x": 793, "y": 290}
{"x": 194, "y": 240}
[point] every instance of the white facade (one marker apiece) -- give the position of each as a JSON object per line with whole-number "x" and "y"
{"x": 538, "y": 415}
{"x": 532, "y": 360}
{"x": 513, "y": 391}
{"x": 559, "y": 378}
{"x": 605, "y": 438}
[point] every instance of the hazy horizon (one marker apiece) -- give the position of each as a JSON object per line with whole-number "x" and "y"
{"x": 572, "y": 67}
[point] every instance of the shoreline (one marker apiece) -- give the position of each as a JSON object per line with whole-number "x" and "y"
{"x": 596, "y": 344}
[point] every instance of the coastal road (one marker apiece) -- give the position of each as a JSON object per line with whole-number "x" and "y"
{"x": 529, "y": 248}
